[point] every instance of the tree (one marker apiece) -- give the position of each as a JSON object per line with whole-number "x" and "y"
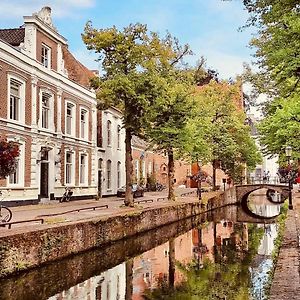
{"x": 229, "y": 137}
{"x": 277, "y": 45}
{"x": 281, "y": 128}
{"x": 130, "y": 61}
{"x": 9, "y": 151}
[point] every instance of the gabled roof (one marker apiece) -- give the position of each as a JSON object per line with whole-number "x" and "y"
{"x": 13, "y": 36}
{"x": 76, "y": 70}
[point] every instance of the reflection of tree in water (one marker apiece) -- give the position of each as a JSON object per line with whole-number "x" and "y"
{"x": 226, "y": 278}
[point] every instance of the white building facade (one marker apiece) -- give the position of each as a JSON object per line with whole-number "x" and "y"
{"x": 48, "y": 109}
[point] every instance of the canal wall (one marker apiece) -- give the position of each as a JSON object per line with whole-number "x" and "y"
{"x": 33, "y": 248}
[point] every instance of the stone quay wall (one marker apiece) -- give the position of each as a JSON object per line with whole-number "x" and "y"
{"x": 53, "y": 242}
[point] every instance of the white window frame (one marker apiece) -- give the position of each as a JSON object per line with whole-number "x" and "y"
{"x": 150, "y": 170}
{"x": 73, "y": 119}
{"x": 108, "y": 132}
{"x": 108, "y": 175}
{"x": 118, "y": 174}
{"x": 21, "y": 106}
{"x": 84, "y": 129}
{"x": 21, "y": 167}
{"x": 72, "y": 168}
{"x": 50, "y": 125}
{"x": 86, "y": 168}
{"x": 46, "y": 59}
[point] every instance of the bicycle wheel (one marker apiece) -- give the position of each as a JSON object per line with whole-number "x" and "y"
{"x": 5, "y": 214}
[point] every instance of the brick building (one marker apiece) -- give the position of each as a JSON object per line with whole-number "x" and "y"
{"x": 47, "y": 107}
{"x": 147, "y": 162}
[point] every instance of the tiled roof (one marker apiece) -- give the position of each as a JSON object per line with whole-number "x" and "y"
{"x": 139, "y": 143}
{"x": 14, "y": 36}
{"x": 76, "y": 70}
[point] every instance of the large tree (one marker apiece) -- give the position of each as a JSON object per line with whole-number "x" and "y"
{"x": 130, "y": 81}
{"x": 229, "y": 137}
{"x": 277, "y": 45}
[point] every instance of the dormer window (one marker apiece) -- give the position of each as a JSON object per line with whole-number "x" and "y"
{"x": 46, "y": 56}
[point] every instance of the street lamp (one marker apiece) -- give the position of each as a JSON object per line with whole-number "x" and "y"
{"x": 288, "y": 154}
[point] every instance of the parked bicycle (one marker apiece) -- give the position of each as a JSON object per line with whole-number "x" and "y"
{"x": 5, "y": 212}
{"x": 66, "y": 197}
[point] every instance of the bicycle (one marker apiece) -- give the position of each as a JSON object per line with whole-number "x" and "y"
{"x": 66, "y": 197}
{"x": 5, "y": 212}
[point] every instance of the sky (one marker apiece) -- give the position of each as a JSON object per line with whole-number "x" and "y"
{"x": 210, "y": 27}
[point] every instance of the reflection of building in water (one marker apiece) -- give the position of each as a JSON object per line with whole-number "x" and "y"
{"x": 266, "y": 246}
{"x": 153, "y": 266}
{"x": 109, "y": 285}
{"x": 265, "y": 210}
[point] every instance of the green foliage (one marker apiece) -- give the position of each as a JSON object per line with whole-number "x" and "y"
{"x": 226, "y": 278}
{"x": 225, "y": 131}
{"x": 282, "y": 128}
{"x": 277, "y": 45}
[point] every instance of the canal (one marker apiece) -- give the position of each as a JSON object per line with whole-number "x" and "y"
{"x": 221, "y": 254}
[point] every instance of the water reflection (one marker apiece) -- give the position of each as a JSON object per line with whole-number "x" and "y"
{"x": 217, "y": 246}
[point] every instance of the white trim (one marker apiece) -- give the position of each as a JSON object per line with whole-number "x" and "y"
{"x": 21, "y": 106}
{"x": 72, "y": 176}
{"x": 21, "y": 164}
{"x": 86, "y": 168}
{"x": 28, "y": 65}
{"x": 73, "y": 118}
{"x": 86, "y": 121}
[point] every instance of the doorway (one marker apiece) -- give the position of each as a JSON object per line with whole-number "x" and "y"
{"x": 44, "y": 175}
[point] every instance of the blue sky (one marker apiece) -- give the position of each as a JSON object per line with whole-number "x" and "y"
{"x": 210, "y": 27}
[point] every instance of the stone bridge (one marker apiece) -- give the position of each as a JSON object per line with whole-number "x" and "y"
{"x": 243, "y": 191}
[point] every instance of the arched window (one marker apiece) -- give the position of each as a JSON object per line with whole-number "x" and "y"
{"x": 119, "y": 174}
{"x": 100, "y": 162}
{"x": 108, "y": 174}
{"x": 108, "y": 133}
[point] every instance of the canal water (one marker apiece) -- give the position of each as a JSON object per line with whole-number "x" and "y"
{"x": 222, "y": 254}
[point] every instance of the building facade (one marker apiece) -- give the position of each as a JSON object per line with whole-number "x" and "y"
{"x": 48, "y": 109}
{"x": 111, "y": 152}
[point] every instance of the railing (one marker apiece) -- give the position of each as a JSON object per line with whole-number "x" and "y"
{"x": 9, "y": 224}
{"x": 75, "y": 210}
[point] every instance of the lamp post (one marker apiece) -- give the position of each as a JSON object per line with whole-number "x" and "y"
{"x": 288, "y": 154}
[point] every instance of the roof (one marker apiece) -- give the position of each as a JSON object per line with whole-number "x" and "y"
{"x": 13, "y": 36}
{"x": 139, "y": 143}
{"x": 76, "y": 70}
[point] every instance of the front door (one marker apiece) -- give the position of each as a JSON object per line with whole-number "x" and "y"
{"x": 44, "y": 180}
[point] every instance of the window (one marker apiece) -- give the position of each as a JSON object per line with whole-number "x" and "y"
{"x": 17, "y": 178}
{"x": 69, "y": 168}
{"x": 150, "y": 168}
{"x": 108, "y": 170}
{"x": 45, "y": 110}
{"x": 83, "y": 124}
{"x": 83, "y": 169}
{"x": 137, "y": 170}
{"x": 15, "y": 99}
{"x": 108, "y": 133}
{"x": 144, "y": 168}
{"x": 119, "y": 174}
{"x": 119, "y": 137}
{"x": 100, "y": 162}
{"x": 46, "y": 56}
{"x": 70, "y": 119}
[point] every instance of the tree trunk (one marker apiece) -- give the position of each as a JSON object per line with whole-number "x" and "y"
{"x": 172, "y": 262}
{"x": 214, "y": 165}
{"x": 129, "y": 170}
{"x": 171, "y": 171}
{"x": 129, "y": 279}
